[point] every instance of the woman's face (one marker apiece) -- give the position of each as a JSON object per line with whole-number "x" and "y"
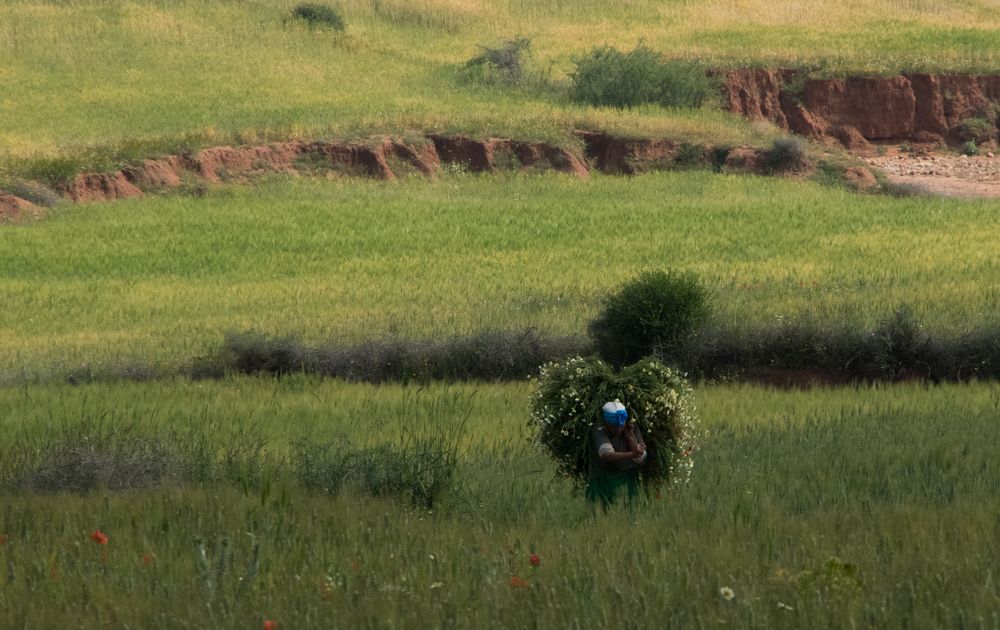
{"x": 614, "y": 429}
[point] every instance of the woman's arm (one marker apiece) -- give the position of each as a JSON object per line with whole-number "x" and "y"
{"x": 615, "y": 456}
{"x": 606, "y": 451}
{"x": 634, "y": 439}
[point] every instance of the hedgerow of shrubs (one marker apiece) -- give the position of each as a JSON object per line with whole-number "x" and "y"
{"x": 651, "y": 314}
{"x": 566, "y": 406}
{"x": 608, "y": 77}
{"x": 488, "y": 355}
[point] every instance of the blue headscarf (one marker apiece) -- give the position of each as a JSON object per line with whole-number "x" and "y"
{"x": 614, "y": 413}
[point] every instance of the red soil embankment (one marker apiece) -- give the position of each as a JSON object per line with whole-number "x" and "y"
{"x": 389, "y": 158}
{"x": 922, "y": 108}
{"x": 14, "y": 209}
{"x": 384, "y": 158}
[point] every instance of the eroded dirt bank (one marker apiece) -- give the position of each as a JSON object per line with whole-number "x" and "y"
{"x": 929, "y": 111}
{"x": 855, "y": 111}
{"x": 389, "y": 159}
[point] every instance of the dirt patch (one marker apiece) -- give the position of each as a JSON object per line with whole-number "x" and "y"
{"x": 90, "y": 187}
{"x": 421, "y": 157}
{"x": 219, "y": 164}
{"x": 744, "y": 160}
{"x": 476, "y": 155}
{"x": 757, "y": 94}
{"x": 629, "y": 156}
{"x": 153, "y": 174}
{"x": 942, "y": 174}
{"x": 15, "y": 210}
{"x": 852, "y": 139}
{"x": 860, "y": 178}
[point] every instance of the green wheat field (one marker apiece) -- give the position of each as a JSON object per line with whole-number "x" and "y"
{"x": 301, "y": 502}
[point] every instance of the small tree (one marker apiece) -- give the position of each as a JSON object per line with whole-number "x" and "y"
{"x": 651, "y": 314}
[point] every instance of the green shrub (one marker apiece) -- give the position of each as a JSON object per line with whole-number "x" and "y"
{"x": 566, "y": 406}
{"x": 786, "y": 154}
{"x": 256, "y": 353}
{"x": 319, "y": 15}
{"x": 504, "y": 64}
{"x": 691, "y": 156}
{"x": 970, "y": 148}
{"x": 611, "y": 78}
{"x": 976, "y": 130}
{"x": 35, "y": 192}
{"x": 897, "y": 348}
{"x": 420, "y": 469}
{"x": 651, "y": 314}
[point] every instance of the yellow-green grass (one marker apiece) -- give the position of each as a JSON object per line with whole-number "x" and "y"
{"x": 899, "y": 482}
{"x": 162, "y": 279}
{"x": 140, "y": 75}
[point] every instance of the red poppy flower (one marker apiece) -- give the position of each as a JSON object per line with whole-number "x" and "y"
{"x": 3, "y": 539}
{"x": 147, "y": 559}
{"x": 535, "y": 560}
{"x": 270, "y": 624}
{"x": 517, "y": 582}
{"x": 99, "y": 537}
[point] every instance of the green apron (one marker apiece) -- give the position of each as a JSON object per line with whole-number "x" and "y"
{"x": 606, "y": 486}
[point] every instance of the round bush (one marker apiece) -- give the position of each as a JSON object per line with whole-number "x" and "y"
{"x": 566, "y": 405}
{"x": 651, "y": 314}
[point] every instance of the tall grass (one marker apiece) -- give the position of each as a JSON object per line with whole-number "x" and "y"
{"x": 161, "y": 279}
{"x": 847, "y": 507}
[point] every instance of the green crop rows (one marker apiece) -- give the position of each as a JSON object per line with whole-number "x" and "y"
{"x": 823, "y": 509}
{"x": 162, "y": 279}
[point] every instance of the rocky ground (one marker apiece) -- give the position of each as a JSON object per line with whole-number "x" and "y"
{"x": 942, "y": 173}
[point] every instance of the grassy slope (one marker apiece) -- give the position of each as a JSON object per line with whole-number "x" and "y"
{"x": 164, "y": 277}
{"x": 118, "y": 75}
{"x": 900, "y": 481}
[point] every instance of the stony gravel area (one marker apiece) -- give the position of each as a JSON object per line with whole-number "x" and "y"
{"x": 951, "y": 175}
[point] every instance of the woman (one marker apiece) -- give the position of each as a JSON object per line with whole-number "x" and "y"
{"x": 618, "y": 454}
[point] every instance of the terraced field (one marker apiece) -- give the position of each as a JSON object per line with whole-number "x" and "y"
{"x": 289, "y": 500}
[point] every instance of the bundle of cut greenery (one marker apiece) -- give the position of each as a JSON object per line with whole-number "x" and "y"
{"x": 566, "y": 406}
